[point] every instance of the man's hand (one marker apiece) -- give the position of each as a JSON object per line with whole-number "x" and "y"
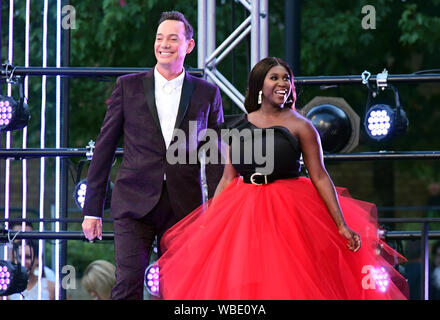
{"x": 92, "y": 228}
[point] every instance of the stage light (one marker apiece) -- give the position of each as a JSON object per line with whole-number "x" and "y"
{"x": 381, "y": 278}
{"x": 13, "y": 115}
{"x": 13, "y": 278}
{"x": 336, "y": 122}
{"x": 152, "y": 279}
{"x": 79, "y": 194}
{"x": 383, "y": 121}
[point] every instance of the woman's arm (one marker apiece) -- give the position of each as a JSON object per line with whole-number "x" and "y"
{"x": 313, "y": 159}
{"x": 229, "y": 173}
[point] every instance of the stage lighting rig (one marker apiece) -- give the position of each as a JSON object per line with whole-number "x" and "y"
{"x": 14, "y": 115}
{"x": 383, "y": 121}
{"x": 79, "y": 193}
{"x": 337, "y": 123}
{"x": 13, "y": 278}
{"x": 151, "y": 280}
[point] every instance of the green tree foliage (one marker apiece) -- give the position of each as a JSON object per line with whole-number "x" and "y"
{"x": 112, "y": 34}
{"x": 120, "y": 33}
{"x": 405, "y": 41}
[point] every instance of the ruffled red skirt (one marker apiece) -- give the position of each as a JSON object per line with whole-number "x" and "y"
{"x": 277, "y": 241}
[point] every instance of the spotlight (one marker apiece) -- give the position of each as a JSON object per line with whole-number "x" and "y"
{"x": 381, "y": 278}
{"x": 14, "y": 115}
{"x": 79, "y": 194}
{"x": 13, "y": 278}
{"x": 383, "y": 121}
{"x": 6, "y": 110}
{"x": 336, "y": 122}
{"x": 152, "y": 279}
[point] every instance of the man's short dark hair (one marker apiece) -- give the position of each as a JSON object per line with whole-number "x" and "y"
{"x": 178, "y": 16}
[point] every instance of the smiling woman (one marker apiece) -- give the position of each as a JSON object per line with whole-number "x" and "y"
{"x": 276, "y": 235}
{"x": 276, "y": 87}
{"x": 263, "y": 80}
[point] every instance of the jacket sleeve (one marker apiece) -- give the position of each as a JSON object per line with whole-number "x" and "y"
{"x": 104, "y": 153}
{"x": 215, "y": 171}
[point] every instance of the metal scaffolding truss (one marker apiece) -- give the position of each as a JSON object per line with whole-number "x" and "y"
{"x": 209, "y": 56}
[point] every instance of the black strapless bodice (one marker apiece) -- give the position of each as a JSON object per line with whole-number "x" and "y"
{"x": 271, "y": 151}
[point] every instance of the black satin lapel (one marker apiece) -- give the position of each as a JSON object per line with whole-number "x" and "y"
{"x": 148, "y": 83}
{"x": 187, "y": 90}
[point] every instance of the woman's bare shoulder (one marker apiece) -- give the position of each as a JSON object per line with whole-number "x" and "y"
{"x": 298, "y": 122}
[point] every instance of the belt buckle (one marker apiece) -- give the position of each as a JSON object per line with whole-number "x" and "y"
{"x": 258, "y": 174}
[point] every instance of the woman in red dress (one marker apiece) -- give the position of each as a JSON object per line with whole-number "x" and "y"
{"x": 269, "y": 233}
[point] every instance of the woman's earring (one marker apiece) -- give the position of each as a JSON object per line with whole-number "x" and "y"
{"x": 259, "y": 96}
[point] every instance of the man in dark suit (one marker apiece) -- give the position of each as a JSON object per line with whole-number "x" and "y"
{"x": 150, "y": 193}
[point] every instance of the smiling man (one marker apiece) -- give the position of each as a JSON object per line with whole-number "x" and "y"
{"x": 173, "y": 42}
{"x": 150, "y": 194}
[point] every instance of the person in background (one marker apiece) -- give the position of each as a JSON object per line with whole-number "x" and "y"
{"x": 17, "y": 226}
{"x": 99, "y": 279}
{"x": 32, "y": 265}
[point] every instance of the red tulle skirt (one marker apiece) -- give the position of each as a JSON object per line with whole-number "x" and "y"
{"x": 277, "y": 241}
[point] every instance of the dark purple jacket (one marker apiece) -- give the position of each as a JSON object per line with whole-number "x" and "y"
{"x": 132, "y": 114}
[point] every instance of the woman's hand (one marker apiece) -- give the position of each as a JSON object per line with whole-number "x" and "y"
{"x": 354, "y": 239}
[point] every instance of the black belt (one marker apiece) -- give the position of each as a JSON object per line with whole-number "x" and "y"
{"x": 259, "y": 178}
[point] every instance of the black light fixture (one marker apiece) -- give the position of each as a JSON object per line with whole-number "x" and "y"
{"x": 79, "y": 194}
{"x": 13, "y": 278}
{"x": 14, "y": 115}
{"x": 151, "y": 281}
{"x": 336, "y": 122}
{"x": 383, "y": 121}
